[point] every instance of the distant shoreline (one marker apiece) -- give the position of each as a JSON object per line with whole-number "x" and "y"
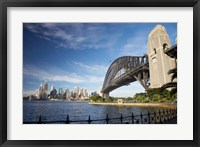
{"x": 171, "y": 106}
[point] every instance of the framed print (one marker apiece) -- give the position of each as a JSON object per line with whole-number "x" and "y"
{"x": 99, "y": 73}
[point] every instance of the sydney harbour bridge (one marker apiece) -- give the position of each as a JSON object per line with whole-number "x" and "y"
{"x": 150, "y": 70}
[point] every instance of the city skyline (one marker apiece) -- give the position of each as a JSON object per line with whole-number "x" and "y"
{"x": 46, "y": 93}
{"x": 79, "y": 54}
{"x": 49, "y": 88}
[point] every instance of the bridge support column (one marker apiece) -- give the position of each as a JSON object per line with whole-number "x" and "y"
{"x": 142, "y": 77}
{"x": 106, "y": 95}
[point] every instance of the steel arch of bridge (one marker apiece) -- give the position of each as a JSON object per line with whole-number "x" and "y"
{"x": 125, "y": 70}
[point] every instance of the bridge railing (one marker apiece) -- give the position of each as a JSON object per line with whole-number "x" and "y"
{"x": 162, "y": 116}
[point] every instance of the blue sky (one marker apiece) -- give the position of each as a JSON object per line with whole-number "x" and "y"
{"x": 72, "y": 55}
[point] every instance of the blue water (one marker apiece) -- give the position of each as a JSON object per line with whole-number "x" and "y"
{"x": 58, "y": 111}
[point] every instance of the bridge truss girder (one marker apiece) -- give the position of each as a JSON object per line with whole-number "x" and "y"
{"x": 125, "y": 70}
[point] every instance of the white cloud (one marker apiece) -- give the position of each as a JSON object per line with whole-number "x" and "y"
{"x": 91, "y": 67}
{"x": 74, "y": 36}
{"x": 135, "y": 46}
{"x": 29, "y": 92}
{"x": 95, "y": 79}
{"x": 30, "y": 70}
{"x": 66, "y": 78}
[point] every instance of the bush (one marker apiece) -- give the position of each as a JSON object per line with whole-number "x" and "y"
{"x": 146, "y": 101}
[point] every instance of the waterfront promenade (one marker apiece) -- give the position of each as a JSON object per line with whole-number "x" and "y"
{"x": 164, "y": 105}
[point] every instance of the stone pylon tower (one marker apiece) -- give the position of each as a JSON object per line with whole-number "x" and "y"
{"x": 159, "y": 62}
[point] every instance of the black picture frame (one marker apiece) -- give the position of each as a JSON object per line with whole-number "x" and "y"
{"x": 4, "y": 4}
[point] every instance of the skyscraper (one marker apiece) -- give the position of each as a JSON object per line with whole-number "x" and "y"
{"x": 52, "y": 88}
{"x": 76, "y": 92}
{"x": 46, "y": 86}
{"x": 37, "y": 94}
{"x": 68, "y": 94}
{"x": 41, "y": 87}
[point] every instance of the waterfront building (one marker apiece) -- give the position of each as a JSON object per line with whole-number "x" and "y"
{"x": 84, "y": 94}
{"x": 68, "y": 94}
{"x": 75, "y": 95}
{"x": 94, "y": 93}
{"x": 53, "y": 93}
{"x": 32, "y": 97}
{"x": 72, "y": 94}
{"x": 81, "y": 94}
{"x": 44, "y": 96}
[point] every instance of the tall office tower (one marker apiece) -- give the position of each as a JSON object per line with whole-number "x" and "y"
{"x": 86, "y": 93}
{"x": 41, "y": 87}
{"x": 60, "y": 93}
{"x": 68, "y": 94}
{"x": 76, "y": 92}
{"x": 81, "y": 92}
{"x": 159, "y": 62}
{"x": 52, "y": 88}
{"x": 46, "y": 89}
{"x": 37, "y": 94}
{"x": 72, "y": 94}
{"x": 40, "y": 91}
{"x": 46, "y": 86}
{"x": 59, "y": 90}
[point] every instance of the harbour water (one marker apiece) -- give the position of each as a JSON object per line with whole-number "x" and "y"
{"x": 58, "y": 111}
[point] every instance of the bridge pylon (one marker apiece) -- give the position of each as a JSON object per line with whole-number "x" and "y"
{"x": 106, "y": 95}
{"x": 159, "y": 62}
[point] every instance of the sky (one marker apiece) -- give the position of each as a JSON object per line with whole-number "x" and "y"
{"x": 72, "y": 55}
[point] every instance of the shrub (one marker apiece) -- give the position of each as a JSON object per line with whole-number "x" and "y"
{"x": 146, "y": 101}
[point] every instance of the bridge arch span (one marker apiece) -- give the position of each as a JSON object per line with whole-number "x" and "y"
{"x": 124, "y": 70}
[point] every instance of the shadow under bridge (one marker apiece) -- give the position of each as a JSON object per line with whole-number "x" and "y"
{"x": 125, "y": 70}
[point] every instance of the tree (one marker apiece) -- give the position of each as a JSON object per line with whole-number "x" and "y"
{"x": 96, "y": 98}
{"x": 172, "y": 84}
{"x": 174, "y": 73}
{"x": 129, "y": 99}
